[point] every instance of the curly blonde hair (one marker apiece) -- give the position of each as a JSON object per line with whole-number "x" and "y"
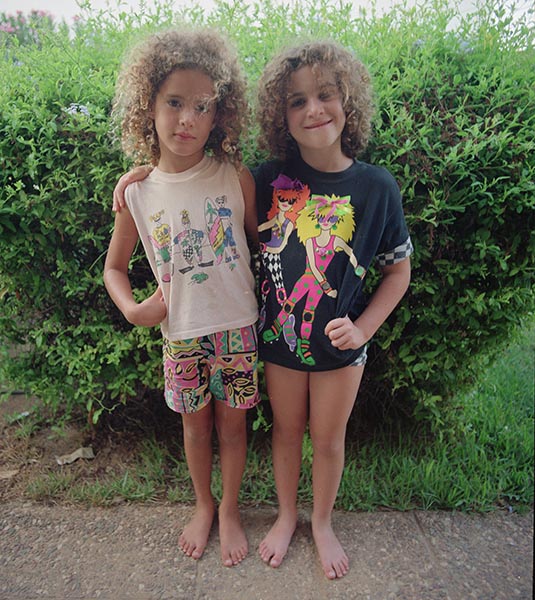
{"x": 353, "y": 82}
{"x": 145, "y": 70}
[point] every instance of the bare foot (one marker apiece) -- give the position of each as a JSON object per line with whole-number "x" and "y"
{"x": 274, "y": 546}
{"x": 333, "y": 559}
{"x": 193, "y": 539}
{"x": 234, "y": 546}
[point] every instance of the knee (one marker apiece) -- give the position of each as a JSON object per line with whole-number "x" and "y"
{"x": 328, "y": 447}
{"x": 289, "y": 433}
{"x": 230, "y": 431}
{"x": 198, "y": 432}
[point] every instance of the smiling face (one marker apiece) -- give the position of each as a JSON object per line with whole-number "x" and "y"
{"x": 314, "y": 112}
{"x": 184, "y": 114}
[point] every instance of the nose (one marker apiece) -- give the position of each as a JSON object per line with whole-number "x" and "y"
{"x": 315, "y": 106}
{"x": 186, "y": 116}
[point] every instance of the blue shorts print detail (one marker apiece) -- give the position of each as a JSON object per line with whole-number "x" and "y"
{"x": 222, "y": 366}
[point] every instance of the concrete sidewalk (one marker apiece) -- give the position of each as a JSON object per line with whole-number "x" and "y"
{"x": 130, "y": 552}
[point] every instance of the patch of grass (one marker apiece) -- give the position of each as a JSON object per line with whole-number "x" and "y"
{"x": 66, "y": 487}
{"x": 258, "y": 486}
{"x": 52, "y": 486}
{"x": 488, "y": 464}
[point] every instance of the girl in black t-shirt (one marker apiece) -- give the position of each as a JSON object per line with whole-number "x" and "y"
{"x": 315, "y": 112}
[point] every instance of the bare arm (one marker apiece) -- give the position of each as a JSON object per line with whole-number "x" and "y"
{"x": 151, "y": 311}
{"x": 249, "y": 196}
{"x": 136, "y": 174}
{"x": 345, "y": 334}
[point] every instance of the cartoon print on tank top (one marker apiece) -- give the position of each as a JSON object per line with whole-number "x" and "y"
{"x": 219, "y": 227}
{"x": 194, "y": 248}
{"x": 190, "y": 243}
{"x": 324, "y": 226}
{"x": 160, "y": 239}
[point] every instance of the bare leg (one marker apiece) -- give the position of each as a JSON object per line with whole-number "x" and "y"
{"x": 288, "y": 395}
{"x": 332, "y": 396}
{"x": 232, "y": 434}
{"x": 198, "y": 448}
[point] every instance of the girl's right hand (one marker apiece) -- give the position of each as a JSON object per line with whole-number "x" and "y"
{"x": 136, "y": 174}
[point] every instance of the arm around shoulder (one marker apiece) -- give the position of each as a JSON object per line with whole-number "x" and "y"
{"x": 135, "y": 174}
{"x": 120, "y": 249}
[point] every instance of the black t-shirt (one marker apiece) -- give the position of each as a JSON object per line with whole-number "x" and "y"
{"x": 319, "y": 233}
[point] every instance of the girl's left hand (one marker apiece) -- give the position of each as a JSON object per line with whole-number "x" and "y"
{"x": 344, "y": 334}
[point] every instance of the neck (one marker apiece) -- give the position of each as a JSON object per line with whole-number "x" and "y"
{"x": 179, "y": 164}
{"x": 326, "y": 161}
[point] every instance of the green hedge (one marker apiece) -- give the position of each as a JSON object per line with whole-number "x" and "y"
{"x": 455, "y": 122}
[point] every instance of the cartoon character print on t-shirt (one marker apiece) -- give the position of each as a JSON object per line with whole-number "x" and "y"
{"x": 219, "y": 227}
{"x": 324, "y": 226}
{"x": 161, "y": 242}
{"x": 194, "y": 249}
{"x": 289, "y": 197}
{"x": 190, "y": 243}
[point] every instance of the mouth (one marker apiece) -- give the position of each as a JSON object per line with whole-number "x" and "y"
{"x": 319, "y": 125}
{"x": 185, "y": 137}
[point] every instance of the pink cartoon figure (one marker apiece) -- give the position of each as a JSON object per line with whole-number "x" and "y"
{"x": 324, "y": 226}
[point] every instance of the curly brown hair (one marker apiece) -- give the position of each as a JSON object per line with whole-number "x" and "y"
{"x": 354, "y": 85}
{"x": 146, "y": 68}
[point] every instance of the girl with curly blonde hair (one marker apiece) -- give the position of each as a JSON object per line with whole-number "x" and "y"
{"x": 315, "y": 109}
{"x": 180, "y": 106}
{"x": 145, "y": 69}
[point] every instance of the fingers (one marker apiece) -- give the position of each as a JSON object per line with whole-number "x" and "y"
{"x": 342, "y": 333}
{"x": 336, "y": 324}
{"x": 136, "y": 174}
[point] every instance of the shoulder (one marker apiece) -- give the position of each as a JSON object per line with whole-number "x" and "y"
{"x": 247, "y": 181}
{"x": 377, "y": 176}
{"x": 245, "y": 175}
{"x": 378, "y": 186}
{"x": 267, "y": 171}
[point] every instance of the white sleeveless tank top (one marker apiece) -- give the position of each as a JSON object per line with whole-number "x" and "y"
{"x": 191, "y": 225}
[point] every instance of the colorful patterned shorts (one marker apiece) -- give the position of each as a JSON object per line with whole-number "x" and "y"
{"x": 221, "y": 365}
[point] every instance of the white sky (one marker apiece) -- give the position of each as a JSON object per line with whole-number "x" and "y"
{"x": 67, "y": 9}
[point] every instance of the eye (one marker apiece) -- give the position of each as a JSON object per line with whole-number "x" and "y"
{"x": 296, "y": 103}
{"x": 174, "y": 103}
{"x": 328, "y": 94}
